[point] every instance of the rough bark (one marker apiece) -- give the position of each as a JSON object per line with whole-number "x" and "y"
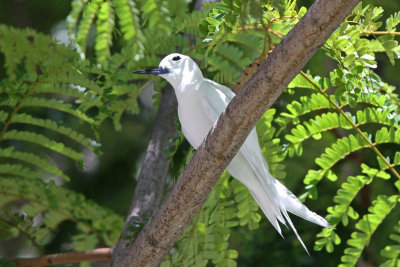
{"x": 150, "y": 186}
{"x": 231, "y": 129}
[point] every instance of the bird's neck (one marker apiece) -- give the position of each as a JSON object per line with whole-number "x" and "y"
{"x": 187, "y": 80}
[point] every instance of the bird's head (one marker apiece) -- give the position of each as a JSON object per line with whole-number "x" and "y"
{"x": 176, "y": 68}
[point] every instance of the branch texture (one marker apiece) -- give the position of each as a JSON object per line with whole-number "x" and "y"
{"x": 232, "y": 128}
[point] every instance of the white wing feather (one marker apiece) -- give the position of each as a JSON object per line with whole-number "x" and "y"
{"x": 250, "y": 167}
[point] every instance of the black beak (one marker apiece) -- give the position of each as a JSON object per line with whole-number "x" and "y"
{"x": 155, "y": 71}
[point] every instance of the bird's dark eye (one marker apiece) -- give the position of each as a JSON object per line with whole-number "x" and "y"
{"x": 176, "y": 58}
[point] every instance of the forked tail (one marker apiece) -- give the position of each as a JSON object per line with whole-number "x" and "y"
{"x": 275, "y": 200}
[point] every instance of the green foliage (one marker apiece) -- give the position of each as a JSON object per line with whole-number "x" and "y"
{"x": 105, "y": 25}
{"x": 367, "y": 226}
{"x": 14, "y": 223}
{"x": 53, "y": 101}
{"x": 341, "y": 212}
{"x": 37, "y": 84}
{"x": 56, "y": 204}
{"x": 392, "y": 252}
{"x": 45, "y": 83}
{"x": 206, "y": 239}
{"x": 344, "y": 112}
{"x": 349, "y": 113}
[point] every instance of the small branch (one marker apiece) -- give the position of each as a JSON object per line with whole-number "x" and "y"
{"x": 261, "y": 26}
{"x": 194, "y": 48}
{"x": 98, "y": 254}
{"x": 358, "y": 130}
{"x": 380, "y": 33}
{"x": 275, "y": 33}
{"x": 267, "y": 41}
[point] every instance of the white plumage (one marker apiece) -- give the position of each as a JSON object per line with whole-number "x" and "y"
{"x": 200, "y": 103}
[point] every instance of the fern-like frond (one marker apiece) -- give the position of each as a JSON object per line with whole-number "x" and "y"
{"x": 233, "y": 55}
{"x": 73, "y": 17}
{"x": 68, "y": 87}
{"x": 156, "y": 13}
{"x": 47, "y": 94}
{"x": 59, "y": 128}
{"x": 206, "y": 239}
{"x": 74, "y": 79}
{"x": 327, "y": 121}
{"x": 317, "y": 102}
{"x": 341, "y": 212}
{"x": 59, "y": 204}
{"x": 3, "y": 115}
{"x": 13, "y": 223}
{"x": 88, "y": 16}
{"x": 42, "y": 140}
{"x": 271, "y": 147}
{"x": 226, "y": 71}
{"x": 340, "y": 149}
{"x": 104, "y": 27}
{"x": 160, "y": 44}
{"x": 17, "y": 170}
{"x": 393, "y": 21}
{"x": 56, "y": 105}
{"x": 32, "y": 160}
{"x": 189, "y": 23}
{"x": 392, "y": 252}
{"x": 367, "y": 226}
{"x": 246, "y": 39}
{"x": 128, "y": 19}
{"x": 306, "y": 105}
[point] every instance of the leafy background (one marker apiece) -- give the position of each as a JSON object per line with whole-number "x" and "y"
{"x": 64, "y": 107}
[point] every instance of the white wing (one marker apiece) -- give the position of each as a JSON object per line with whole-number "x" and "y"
{"x": 215, "y": 98}
{"x": 250, "y": 167}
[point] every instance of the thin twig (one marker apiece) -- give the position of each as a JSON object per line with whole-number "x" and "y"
{"x": 98, "y": 254}
{"x": 380, "y": 33}
{"x": 260, "y": 26}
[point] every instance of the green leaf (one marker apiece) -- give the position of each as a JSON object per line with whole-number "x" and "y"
{"x": 104, "y": 25}
{"x": 367, "y": 226}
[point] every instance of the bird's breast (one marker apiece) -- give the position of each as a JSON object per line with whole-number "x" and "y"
{"x": 194, "y": 121}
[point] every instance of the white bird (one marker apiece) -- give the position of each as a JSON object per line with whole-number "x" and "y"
{"x": 200, "y": 103}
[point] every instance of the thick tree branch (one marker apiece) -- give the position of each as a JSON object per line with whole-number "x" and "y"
{"x": 150, "y": 186}
{"x": 231, "y": 129}
{"x": 99, "y": 254}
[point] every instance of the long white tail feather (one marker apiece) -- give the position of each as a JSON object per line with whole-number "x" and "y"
{"x": 294, "y": 230}
{"x": 293, "y": 205}
{"x": 271, "y": 189}
{"x": 274, "y": 199}
{"x": 281, "y": 197}
{"x": 270, "y": 215}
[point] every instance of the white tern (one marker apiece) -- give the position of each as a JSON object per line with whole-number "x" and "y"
{"x": 200, "y": 103}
